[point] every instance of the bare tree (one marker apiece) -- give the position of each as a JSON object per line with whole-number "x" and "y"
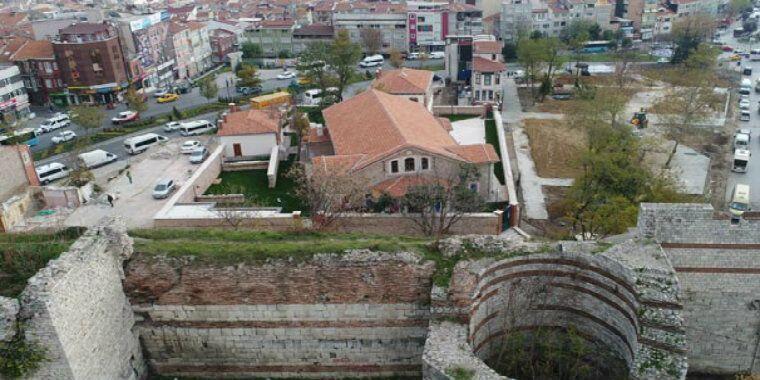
{"x": 439, "y": 202}
{"x": 396, "y": 59}
{"x": 237, "y": 214}
{"x": 328, "y": 192}
{"x": 622, "y": 63}
{"x": 372, "y": 39}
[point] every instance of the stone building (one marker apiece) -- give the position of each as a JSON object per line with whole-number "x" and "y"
{"x": 389, "y": 18}
{"x": 17, "y": 176}
{"x": 40, "y": 73}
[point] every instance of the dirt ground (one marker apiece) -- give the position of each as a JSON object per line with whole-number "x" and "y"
{"x": 555, "y": 147}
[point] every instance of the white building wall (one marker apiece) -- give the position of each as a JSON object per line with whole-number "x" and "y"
{"x": 250, "y": 145}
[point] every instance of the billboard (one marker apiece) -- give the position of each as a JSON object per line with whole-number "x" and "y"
{"x": 148, "y": 21}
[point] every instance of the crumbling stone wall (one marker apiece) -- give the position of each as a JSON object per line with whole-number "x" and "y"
{"x": 76, "y": 310}
{"x": 718, "y": 266}
{"x": 353, "y": 315}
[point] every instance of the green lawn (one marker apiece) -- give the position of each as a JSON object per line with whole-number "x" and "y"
{"x": 228, "y": 246}
{"x": 25, "y": 254}
{"x": 255, "y": 185}
{"x": 493, "y": 138}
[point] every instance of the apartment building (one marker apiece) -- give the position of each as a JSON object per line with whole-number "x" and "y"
{"x": 488, "y": 69}
{"x": 656, "y": 20}
{"x": 39, "y": 71}
{"x": 552, "y": 16}
{"x": 146, "y": 41}
{"x": 430, "y": 22}
{"x": 90, "y": 59}
{"x": 191, "y": 49}
{"x": 14, "y": 102}
{"x": 274, "y": 36}
{"x": 306, "y": 35}
{"x": 389, "y": 18}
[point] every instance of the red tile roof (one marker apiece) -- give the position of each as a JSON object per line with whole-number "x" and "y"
{"x": 404, "y": 81}
{"x": 253, "y": 122}
{"x": 487, "y": 47}
{"x": 487, "y": 66}
{"x": 10, "y": 46}
{"x": 397, "y": 187}
{"x": 34, "y": 50}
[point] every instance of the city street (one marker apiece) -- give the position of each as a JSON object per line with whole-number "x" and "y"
{"x": 752, "y": 176}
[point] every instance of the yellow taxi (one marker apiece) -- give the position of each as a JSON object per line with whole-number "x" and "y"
{"x": 735, "y": 57}
{"x": 168, "y": 98}
{"x": 304, "y": 80}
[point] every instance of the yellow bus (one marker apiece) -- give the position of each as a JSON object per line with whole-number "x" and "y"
{"x": 269, "y": 100}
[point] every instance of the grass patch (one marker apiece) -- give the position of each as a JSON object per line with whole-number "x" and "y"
{"x": 454, "y": 118}
{"x": 555, "y": 147}
{"x": 25, "y": 254}
{"x": 255, "y": 185}
{"x": 492, "y": 138}
{"x": 227, "y": 246}
{"x": 460, "y": 373}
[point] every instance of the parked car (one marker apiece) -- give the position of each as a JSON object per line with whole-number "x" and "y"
{"x": 183, "y": 87}
{"x": 412, "y": 56}
{"x": 59, "y": 120}
{"x": 172, "y": 126}
{"x": 248, "y": 90}
{"x": 198, "y": 155}
{"x": 744, "y": 105}
{"x": 168, "y": 98}
{"x": 64, "y": 137}
{"x": 727, "y": 48}
{"x": 286, "y": 75}
{"x": 161, "y": 92}
{"x": 189, "y": 146}
{"x": 735, "y": 58}
{"x": 437, "y": 55}
{"x": 51, "y": 172}
{"x": 163, "y": 188}
{"x": 125, "y": 117}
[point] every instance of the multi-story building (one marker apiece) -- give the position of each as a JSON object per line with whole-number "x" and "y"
{"x": 274, "y": 36}
{"x": 39, "y": 71}
{"x": 389, "y": 18}
{"x": 656, "y": 20}
{"x": 146, "y": 41}
{"x": 191, "y": 49}
{"x": 684, "y": 8}
{"x": 224, "y": 38}
{"x": 430, "y": 22}
{"x": 487, "y": 71}
{"x": 91, "y": 63}
{"x": 552, "y": 16}
{"x": 14, "y": 102}
{"x": 306, "y": 35}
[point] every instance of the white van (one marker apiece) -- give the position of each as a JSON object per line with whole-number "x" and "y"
{"x": 59, "y": 120}
{"x": 196, "y": 127}
{"x": 313, "y": 97}
{"x": 741, "y": 160}
{"x": 741, "y": 141}
{"x": 96, "y": 158}
{"x": 139, "y": 144}
{"x": 51, "y": 172}
{"x": 739, "y": 200}
{"x": 746, "y": 86}
{"x": 372, "y": 61}
{"x": 745, "y": 115}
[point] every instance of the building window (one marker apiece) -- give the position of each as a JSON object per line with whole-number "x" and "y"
{"x": 497, "y": 78}
{"x": 473, "y": 187}
{"x": 48, "y": 83}
{"x": 425, "y": 163}
{"x": 421, "y": 19}
{"x": 477, "y": 94}
{"x": 486, "y": 79}
{"x": 409, "y": 164}
{"x": 394, "y": 166}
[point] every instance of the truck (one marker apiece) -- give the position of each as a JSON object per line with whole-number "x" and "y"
{"x": 96, "y": 158}
{"x": 741, "y": 159}
{"x": 269, "y": 100}
{"x": 741, "y": 141}
{"x": 746, "y": 86}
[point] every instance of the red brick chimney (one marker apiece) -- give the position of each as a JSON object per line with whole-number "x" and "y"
{"x": 233, "y": 107}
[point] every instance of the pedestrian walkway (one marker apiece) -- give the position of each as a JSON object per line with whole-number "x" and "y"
{"x": 531, "y": 185}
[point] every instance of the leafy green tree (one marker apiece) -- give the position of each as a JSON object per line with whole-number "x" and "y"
{"x": 251, "y": 50}
{"x": 89, "y": 118}
{"x": 248, "y": 76}
{"x": 343, "y": 57}
{"x": 282, "y": 54}
{"x": 135, "y": 101}
{"x": 509, "y": 51}
{"x": 736, "y": 7}
{"x": 314, "y": 67}
{"x": 688, "y": 33}
{"x": 530, "y": 55}
{"x": 208, "y": 87}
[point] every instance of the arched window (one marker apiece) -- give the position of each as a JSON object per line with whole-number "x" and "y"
{"x": 409, "y": 164}
{"x": 424, "y": 163}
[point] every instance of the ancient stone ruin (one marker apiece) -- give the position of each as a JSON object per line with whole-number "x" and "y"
{"x": 673, "y": 295}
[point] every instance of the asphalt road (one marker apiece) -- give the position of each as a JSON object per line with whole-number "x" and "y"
{"x": 752, "y": 176}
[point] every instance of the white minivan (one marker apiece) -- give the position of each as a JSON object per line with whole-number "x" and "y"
{"x": 96, "y": 158}
{"x": 51, "y": 172}
{"x": 139, "y": 144}
{"x": 59, "y": 120}
{"x": 739, "y": 200}
{"x": 372, "y": 61}
{"x": 196, "y": 127}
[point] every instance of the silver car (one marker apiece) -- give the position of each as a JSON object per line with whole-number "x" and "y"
{"x": 198, "y": 155}
{"x": 163, "y": 188}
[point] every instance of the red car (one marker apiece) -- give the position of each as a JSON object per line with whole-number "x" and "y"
{"x": 726, "y": 48}
{"x": 125, "y": 117}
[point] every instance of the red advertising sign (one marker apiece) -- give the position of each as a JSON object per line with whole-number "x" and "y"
{"x": 412, "y": 28}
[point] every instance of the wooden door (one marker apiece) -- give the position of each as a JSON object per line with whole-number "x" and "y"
{"x": 237, "y": 151}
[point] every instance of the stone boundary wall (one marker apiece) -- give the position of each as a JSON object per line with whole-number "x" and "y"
{"x": 459, "y": 110}
{"x": 76, "y": 310}
{"x": 362, "y": 314}
{"x": 506, "y": 163}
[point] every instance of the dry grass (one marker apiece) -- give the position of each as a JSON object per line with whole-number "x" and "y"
{"x": 555, "y": 147}
{"x": 660, "y": 106}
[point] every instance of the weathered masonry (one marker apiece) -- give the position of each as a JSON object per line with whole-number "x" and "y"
{"x": 678, "y": 293}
